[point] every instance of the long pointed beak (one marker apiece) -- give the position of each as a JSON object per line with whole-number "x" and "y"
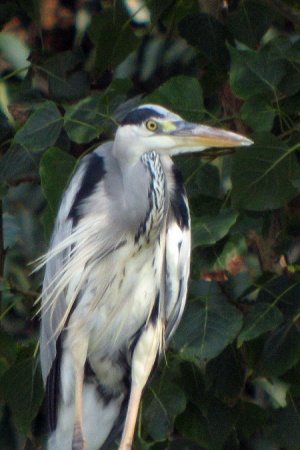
{"x": 203, "y": 137}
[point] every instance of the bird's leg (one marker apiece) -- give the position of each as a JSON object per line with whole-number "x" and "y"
{"x": 78, "y": 442}
{"x": 79, "y": 351}
{"x": 143, "y": 360}
{"x": 131, "y": 418}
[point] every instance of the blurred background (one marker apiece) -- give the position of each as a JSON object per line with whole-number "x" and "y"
{"x": 70, "y": 70}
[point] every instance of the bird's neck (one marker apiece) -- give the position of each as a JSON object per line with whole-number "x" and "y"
{"x": 152, "y": 221}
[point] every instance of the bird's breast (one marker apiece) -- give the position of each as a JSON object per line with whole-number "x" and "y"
{"x": 119, "y": 298}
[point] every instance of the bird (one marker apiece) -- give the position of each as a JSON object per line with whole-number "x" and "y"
{"x": 116, "y": 276}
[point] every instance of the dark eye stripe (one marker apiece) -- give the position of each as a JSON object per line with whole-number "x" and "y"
{"x": 138, "y": 116}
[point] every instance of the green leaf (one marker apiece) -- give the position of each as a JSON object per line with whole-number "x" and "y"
{"x": 259, "y": 113}
{"x": 285, "y": 427}
{"x": 254, "y": 73}
{"x": 182, "y": 95}
{"x": 262, "y": 318}
{"x": 284, "y": 293}
{"x": 4, "y": 125}
{"x": 8, "y": 349}
{"x": 208, "y": 35}
{"x": 87, "y": 119}
{"x": 192, "y": 381}
{"x": 289, "y": 52}
{"x": 207, "y": 326}
{"x": 42, "y": 129}
{"x": 292, "y": 379}
{"x": 210, "y": 430}
{"x": 56, "y": 168}
{"x": 290, "y": 83}
{"x": 251, "y": 418}
{"x": 208, "y": 230}
{"x": 168, "y": 401}
{"x": 207, "y": 181}
{"x": 112, "y": 36}
{"x": 84, "y": 121}
{"x": 226, "y": 374}
{"x": 11, "y": 230}
{"x": 247, "y": 25}
{"x": 66, "y": 80}
{"x": 19, "y": 163}
{"x": 281, "y": 351}
{"x": 21, "y": 387}
{"x": 261, "y": 175}
{"x": 291, "y": 105}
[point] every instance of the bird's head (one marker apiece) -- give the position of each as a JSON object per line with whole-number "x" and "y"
{"x": 152, "y": 127}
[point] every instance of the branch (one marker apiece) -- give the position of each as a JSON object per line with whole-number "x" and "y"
{"x": 286, "y": 11}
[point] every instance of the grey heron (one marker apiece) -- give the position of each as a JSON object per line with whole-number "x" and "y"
{"x": 116, "y": 276}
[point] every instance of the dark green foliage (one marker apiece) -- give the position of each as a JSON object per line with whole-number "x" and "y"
{"x": 41, "y": 129}
{"x": 231, "y": 376}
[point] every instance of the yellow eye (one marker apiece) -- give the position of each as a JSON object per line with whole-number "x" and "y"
{"x": 151, "y": 125}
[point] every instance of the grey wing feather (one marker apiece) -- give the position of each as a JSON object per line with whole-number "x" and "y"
{"x": 54, "y": 303}
{"x": 177, "y": 274}
{"x": 178, "y": 241}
